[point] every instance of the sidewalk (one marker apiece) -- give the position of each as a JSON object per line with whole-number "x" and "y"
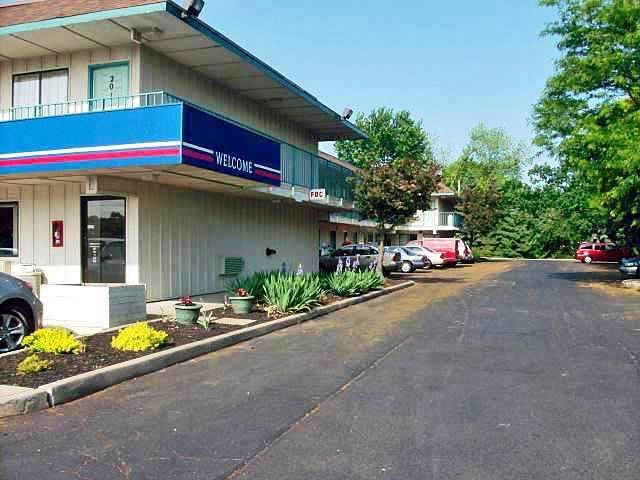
{"x": 165, "y": 308}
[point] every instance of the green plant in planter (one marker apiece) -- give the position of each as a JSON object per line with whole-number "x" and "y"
{"x": 242, "y": 302}
{"x": 285, "y": 293}
{"x": 254, "y": 284}
{"x": 139, "y": 338}
{"x": 33, "y": 364}
{"x": 187, "y": 311}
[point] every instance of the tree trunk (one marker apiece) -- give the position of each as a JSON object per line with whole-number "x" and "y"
{"x": 381, "y": 232}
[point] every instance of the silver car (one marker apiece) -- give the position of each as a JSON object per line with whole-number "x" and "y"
{"x": 630, "y": 267}
{"x": 20, "y": 312}
{"x": 409, "y": 261}
{"x": 365, "y": 255}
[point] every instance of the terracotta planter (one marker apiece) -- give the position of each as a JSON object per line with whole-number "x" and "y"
{"x": 187, "y": 314}
{"x": 242, "y": 305}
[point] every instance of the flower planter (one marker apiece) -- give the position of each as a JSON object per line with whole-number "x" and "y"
{"x": 187, "y": 314}
{"x": 242, "y": 305}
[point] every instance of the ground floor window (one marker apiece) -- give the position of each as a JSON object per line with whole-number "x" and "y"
{"x": 8, "y": 229}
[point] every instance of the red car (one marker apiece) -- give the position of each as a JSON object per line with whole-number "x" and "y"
{"x": 448, "y": 247}
{"x": 588, "y": 252}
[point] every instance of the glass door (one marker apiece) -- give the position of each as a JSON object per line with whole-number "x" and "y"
{"x": 104, "y": 240}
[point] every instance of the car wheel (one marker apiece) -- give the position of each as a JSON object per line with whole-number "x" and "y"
{"x": 428, "y": 265}
{"x": 406, "y": 267}
{"x": 15, "y": 324}
{"x": 587, "y": 259}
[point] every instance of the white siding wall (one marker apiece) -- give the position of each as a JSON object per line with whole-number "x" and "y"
{"x": 78, "y": 65}
{"x": 38, "y": 205}
{"x": 183, "y": 234}
{"x": 162, "y": 73}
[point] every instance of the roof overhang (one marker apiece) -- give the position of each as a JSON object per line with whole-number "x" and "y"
{"x": 186, "y": 40}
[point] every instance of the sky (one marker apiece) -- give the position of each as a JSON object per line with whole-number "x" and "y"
{"x": 451, "y": 64}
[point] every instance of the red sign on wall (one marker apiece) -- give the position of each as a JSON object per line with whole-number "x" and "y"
{"x": 57, "y": 233}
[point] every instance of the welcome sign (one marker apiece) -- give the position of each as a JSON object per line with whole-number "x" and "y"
{"x": 215, "y": 144}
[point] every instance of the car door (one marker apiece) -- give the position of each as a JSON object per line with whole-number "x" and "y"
{"x": 366, "y": 256}
{"x": 598, "y": 253}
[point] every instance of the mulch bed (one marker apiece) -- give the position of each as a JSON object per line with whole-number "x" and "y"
{"x": 99, "y": 352}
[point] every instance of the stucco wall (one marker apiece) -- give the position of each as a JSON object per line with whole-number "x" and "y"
{"x": 78, "y": 65}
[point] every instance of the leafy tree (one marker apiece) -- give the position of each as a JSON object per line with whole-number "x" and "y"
{"x": 589, "y": 113}
{"x": 397, "y": 169}
{"x": 480, "y": 209}
{"x": 490, "y": 157}
{"x": 391, "y": 193}
{"x": 391, "y": 136}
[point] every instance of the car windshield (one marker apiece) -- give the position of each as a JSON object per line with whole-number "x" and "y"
{"x": 414, "y": 250}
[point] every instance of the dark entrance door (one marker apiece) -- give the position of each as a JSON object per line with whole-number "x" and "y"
{"x": 103, "y": 240}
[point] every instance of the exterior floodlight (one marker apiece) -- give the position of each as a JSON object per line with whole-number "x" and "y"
{"x": 346, "y": 113}
{"x": 192, "y": 8}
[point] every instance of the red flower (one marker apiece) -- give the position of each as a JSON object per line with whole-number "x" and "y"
{"x": 186, "y": 301}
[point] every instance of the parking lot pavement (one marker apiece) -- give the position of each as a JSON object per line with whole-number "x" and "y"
{"x": 496, "y": 371}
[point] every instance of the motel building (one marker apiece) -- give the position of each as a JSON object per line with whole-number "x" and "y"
{"x": 145, "y": 156}
{"x": 344, "y": 227}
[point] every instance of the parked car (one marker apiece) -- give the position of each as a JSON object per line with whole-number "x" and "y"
{"x": 588, "y": 252}
{"x": 436, "y": 259}
{"x": 409, "y": 261}
{"x": 366, "y": 254}
{"x": 447, "y": 246}
{"x": 20, "y": 312}
{"x": 630, "y": 267}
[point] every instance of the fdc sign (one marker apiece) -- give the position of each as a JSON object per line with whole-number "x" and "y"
{"x": 318, "y": 194}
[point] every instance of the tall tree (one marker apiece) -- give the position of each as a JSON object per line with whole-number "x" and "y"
{"x": 398, "y": 173}
{"x": 391, "y": 136}
{"x": 490, "y": 156}
{"x": 589, "y": 113}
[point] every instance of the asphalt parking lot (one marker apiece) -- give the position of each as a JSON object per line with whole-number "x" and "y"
{"x": 493, "y": 371}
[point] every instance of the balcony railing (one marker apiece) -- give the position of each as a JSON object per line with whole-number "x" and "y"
{"x": 299, "y": 167}
{"x": 311, "y": 171}
{"x": 89, "y": 105}
{"x": 449, "y": 219}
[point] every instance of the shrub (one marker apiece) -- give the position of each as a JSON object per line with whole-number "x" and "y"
{"x": 33, "y": 364}
{"x": 253, "y": 284}
{"x": 285, "y": 293}
{"x": 350, "y": 283}
{"x": 53, "y": 340}
{"x": 139, "y": 338}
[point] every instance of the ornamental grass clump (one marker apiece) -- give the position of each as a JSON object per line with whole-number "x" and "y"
{"x": 53, "y": 340}
{"x": 286, "y": 293}
{"x": 353, "y": 283}
{"x": 33, "y": 364}
{"x": 139, "y": 338}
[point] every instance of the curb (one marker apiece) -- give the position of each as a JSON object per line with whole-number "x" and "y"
{"x": 79, "y": 386}
{"x": 631, "y": 284}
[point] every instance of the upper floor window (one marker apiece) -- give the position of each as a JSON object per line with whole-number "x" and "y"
{"x": 40, "y": 88}
{"x": 8, "y": 229}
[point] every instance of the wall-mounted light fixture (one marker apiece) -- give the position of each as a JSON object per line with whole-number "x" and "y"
{"x": 346, "y": 113}
{"x": 192, "y": 8}
{"x": 269, "y": 252}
